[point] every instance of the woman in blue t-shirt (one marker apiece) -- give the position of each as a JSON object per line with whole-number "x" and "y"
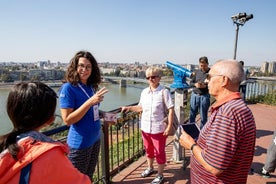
{"x": 79, "y": 99}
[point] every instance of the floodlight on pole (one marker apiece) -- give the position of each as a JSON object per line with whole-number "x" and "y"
{"x": 239, "y": 20}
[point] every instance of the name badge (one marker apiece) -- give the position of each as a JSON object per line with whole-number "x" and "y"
{"x": 96, "y": 112}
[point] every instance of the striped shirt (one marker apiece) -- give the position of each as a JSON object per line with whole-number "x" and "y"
{"x": 227, "y": 141}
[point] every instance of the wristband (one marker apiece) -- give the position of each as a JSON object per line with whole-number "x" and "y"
{"x": 192, "y": 147}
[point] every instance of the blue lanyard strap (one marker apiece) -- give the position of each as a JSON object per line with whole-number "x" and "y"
{"x": 85, "y": 91}
{"x": 25, "y": 174}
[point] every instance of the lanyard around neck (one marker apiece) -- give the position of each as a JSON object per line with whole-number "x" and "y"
{"x": 85, "y": 91}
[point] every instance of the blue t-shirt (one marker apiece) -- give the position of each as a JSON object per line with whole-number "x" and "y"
{"x": 85, "y": 132}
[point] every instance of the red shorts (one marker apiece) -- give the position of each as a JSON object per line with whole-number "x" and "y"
{"x": 155, "y": 146}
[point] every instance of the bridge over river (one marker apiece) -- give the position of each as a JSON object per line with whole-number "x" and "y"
{"x": 123, "y": 80}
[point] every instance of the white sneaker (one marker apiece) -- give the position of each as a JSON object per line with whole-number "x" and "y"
{"x": 158, "y": 179}
{"x": 147, "y": 172}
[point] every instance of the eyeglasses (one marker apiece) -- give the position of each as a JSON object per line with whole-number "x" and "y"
{"x": 82, "y": 66}
{"x": 209, "y": 76}
{"x": 151, "y": 77}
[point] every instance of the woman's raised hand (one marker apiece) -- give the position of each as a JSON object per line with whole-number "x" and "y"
{"x": 98, "y": 96}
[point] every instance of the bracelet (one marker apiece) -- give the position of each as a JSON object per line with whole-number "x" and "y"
{"x": 192, "y": 147}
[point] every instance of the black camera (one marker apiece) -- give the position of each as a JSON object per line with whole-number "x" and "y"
{"x": 241, "y": 18}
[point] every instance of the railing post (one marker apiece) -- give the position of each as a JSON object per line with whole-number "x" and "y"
{"x": 179, "y": 106}
{"x": 104, "y": 153}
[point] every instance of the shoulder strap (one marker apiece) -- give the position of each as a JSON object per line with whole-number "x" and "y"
{"x": 163, "y": 100}
{"x": 25, "y": 174}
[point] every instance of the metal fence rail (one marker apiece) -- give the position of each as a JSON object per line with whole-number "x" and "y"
{"x": 121, "y": 144}
{"x": 256, "y": 87}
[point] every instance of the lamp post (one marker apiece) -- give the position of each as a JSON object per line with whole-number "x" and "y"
{"x": 239, "y": 20}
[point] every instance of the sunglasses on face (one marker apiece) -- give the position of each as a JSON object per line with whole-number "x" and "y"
{"x": 209, "y": 76}
{"x": 151, "y": 77}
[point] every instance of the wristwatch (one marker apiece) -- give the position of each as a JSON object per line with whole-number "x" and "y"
{"x": 192, "y": 147}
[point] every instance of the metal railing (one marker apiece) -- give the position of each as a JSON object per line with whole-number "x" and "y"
{"x": 121, "y": 144}
{"x": 257, "y": 86}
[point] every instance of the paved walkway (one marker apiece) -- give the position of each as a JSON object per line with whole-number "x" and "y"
{"x": 174, "y": 173}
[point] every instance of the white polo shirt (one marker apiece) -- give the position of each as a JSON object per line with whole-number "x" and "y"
{"x": 153, "y": 109}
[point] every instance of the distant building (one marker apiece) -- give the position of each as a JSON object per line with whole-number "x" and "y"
{"x": 132, "y": 73}
{"x": 107, "y": 70}
{"x": 49, "y": 74}
{"x": 268, "y": 67}
{"x": 141, "y": 74}
{"x": 43, "y": 64}
{"x": 190, "y": 67}
{"x": 272, "y": 67}
{"x": 264, "y": 67}
{"x": 125, "y": 72}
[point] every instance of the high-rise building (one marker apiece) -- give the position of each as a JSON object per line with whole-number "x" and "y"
{"x": 272, "y": 67}
{"x": 264, "y": 67}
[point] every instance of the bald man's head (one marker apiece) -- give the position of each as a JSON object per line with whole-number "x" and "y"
{"x": 230, "y": 68}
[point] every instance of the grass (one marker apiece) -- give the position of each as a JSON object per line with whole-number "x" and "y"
{"x": 124, "y": 148}
{"x": 269, "y": 99}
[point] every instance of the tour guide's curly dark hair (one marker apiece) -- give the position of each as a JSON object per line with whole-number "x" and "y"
{"x": 29, "y": 106}
{"x": 72, "y": 76}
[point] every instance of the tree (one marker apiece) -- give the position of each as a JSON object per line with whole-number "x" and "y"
{"x": 117, "y": 72}
{"x": 7, "y": 78}
{"x": 23, "y": 77}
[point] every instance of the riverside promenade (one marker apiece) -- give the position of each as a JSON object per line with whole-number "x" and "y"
{"x": 174, "y": 173}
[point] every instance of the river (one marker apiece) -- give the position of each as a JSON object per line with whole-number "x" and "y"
{"x": 116, "y": 97}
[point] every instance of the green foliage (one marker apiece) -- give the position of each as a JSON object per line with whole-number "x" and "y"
{"x": 6, "y": 78}
{"x": 269, "y": 99}
{"x": 125, "y": 145}
{"x": 129, "y": 145}
{"x": 117, "y": 72}
{"x": 167, "y": 72}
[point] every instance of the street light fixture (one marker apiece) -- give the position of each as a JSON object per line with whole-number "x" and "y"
{"x": 239, "y": 19}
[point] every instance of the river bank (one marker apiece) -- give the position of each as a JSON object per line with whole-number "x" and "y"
{"x": 6, "y": 85}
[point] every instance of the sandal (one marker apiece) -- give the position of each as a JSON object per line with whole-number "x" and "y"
{"x": 147, "y": 172}
{"x": 158, "y": 179}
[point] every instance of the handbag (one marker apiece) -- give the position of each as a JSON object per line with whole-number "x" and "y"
{"x": 175, "y": 122}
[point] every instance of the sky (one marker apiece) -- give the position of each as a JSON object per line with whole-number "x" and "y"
{"x": 144, "y": 31}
